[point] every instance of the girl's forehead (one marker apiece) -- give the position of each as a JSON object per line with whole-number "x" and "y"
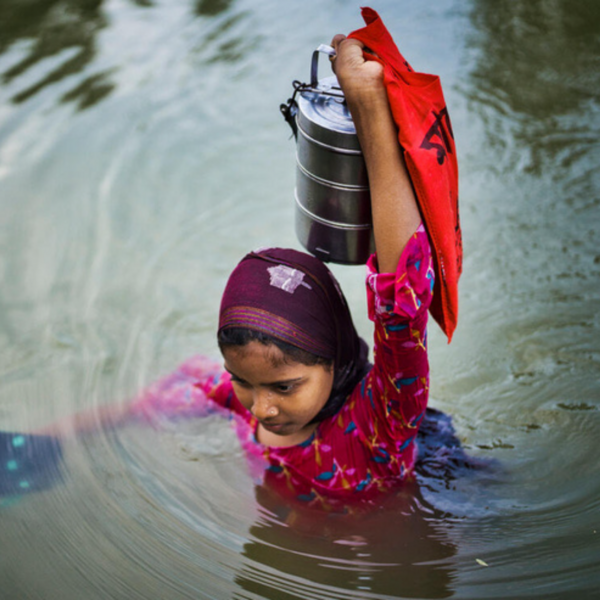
{"x": 264, "y": 363}
{"x": 254, "y": 354}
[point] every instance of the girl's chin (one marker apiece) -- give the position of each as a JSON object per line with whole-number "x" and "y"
{"x": 287, "y": 434}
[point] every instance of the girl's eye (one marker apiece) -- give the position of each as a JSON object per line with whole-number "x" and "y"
{"x": 239, "y": 382}
{"x": 285, "y": 388}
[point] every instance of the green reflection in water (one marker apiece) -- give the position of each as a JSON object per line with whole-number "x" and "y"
{"x": 52, "y": 27}
{"x": 543, "y": 56}
{"x": 536, "y": 72}
{"x": 210, "y": 8}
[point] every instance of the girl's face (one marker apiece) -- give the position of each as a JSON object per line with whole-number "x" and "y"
{"x": 283, "y": 396}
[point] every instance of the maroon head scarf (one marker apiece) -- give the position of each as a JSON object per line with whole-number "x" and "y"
{"x": 293, "y": 297}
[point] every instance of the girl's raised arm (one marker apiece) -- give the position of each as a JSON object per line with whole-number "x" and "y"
{"x": 393, "y": 204}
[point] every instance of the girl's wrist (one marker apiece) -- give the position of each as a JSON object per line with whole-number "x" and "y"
{"x": 368, "y": 106}
{"x": 363, "y": 89}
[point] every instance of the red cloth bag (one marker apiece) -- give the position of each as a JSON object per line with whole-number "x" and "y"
{"x": 426, "y": 137}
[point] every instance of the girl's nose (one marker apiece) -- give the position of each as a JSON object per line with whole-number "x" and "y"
{"x": 262, "y": 406}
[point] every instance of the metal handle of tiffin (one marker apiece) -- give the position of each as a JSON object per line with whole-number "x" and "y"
{"x": 289, "y": 110}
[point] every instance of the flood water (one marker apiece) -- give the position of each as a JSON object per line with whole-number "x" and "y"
{"x": 142, "y": 153}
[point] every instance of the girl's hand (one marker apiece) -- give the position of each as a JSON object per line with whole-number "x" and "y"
{"x": 360, "y": 79}
{"x": 393, "y": 203}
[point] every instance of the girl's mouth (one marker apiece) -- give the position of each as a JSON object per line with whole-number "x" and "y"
{"x": 273, "y": 427}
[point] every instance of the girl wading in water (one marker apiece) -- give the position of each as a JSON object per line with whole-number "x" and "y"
{"x": 317, "y": 420}
{"x": 296, "y": 374}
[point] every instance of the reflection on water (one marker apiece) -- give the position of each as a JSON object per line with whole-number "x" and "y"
{"x": 540, "y": 56}
{"x": 210, "y": 8}
{"x": 61, "y": 32}
{"x": 402, "y": 550}
{"x": 538, "y": 71}
{"x": 120, "y": 223}
{"x": 400, "y": 546}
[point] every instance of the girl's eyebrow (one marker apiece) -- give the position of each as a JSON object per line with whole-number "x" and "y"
{"x": 286, "y": 381}
{"x": 282, "y": 382}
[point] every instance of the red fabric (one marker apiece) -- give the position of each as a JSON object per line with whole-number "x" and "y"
{"x": 425, "y": 134}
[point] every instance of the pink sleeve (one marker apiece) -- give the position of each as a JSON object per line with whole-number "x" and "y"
{"x": 398, "y": 305}
{"x": 186, "y": 392}
{"x": 408, "y": 291}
